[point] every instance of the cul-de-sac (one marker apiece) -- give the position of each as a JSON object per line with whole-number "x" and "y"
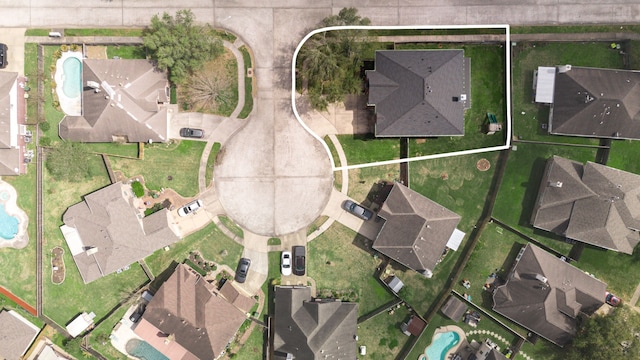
{"x": 319, "y": 180}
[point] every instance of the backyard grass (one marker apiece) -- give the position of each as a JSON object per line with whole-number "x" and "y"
{"x": 382, "y": 335}
{"x": 31, "y": 71}
{"x": 99, "y": 338}
{"x": 231, "y": 226}
{"x": 210, "y": 241}
{"x": 519, "y": 188}
{"x": 339, "y": 250}
{"x": 170, "y": 165}
{"x": 126, "y": 51}
{"x": 529, "y": 117}
{"x": 115, "y": 149}
{"x": 51, "y": 114}
{"x": 208, "y": 175}
{"x": 362, "y": 182}
{"x": 624, "y": 155}
{"x": 253, "y": 347}
{"x": 18, "y": 266}
{"x": 248, "y": 84}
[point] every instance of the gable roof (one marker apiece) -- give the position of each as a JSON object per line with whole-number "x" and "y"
{"x": 454, "y": 308}
{"x": 308, "y": 329}
{"x": 188, "y": 319}
{"x": 548, "y": 310}
{"x": 594, "y": 102}
{"x": 106, "y": 232}
{"x": 416, "y": 229}
{"x": 16, "y": 335}
{"x": 591, "y": 203}
{"x": 127, "y": 103}
{"x": 9, "y": 151}
{"x": 415, "y": 92}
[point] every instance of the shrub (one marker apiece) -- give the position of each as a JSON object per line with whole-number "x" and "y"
{"x": 75, "y": 47}
{"x": 45, "y": 141}
{"x": 138, "y": 189}
{"x": 64, "y": 47}
{"x": 57, "y": 54}
{"x": 45, "y": 126}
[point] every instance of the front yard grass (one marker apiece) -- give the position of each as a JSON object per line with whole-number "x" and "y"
{"x": 339, "y": 263}
{"x": 208, "y": 175}
{"x": 231, "y": 226}
{"x": 170, "y": 165}
{"x": 210, "y": 241}
{"x": 382, "y": 335}
{"x": 126, "y": 51}
{"x": 248, "y": 84}
{"x": 362, "y": 182}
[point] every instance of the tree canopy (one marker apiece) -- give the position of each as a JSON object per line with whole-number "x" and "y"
{"x": 179, "y": 45}
{"x": 615, "y": 336}
{"x": 71, "y": 161}
{"x": 329, "y": 62}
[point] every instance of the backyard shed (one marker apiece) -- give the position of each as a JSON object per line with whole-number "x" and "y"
{"x": 394, "y": 284}
{"x": 454, "y": 308}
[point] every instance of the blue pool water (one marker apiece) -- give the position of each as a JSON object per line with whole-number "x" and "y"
{"x": 142, "y": 350}
{"x": 442, "y": 343}
{"x": 8, "y": 224}
{"x": 72, "y": 85}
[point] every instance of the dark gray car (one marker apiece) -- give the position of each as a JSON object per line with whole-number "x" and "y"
{"x": 3, "y": 56}
{"x": 357, "y": 210}
{"x": 192, "y": 133}
{"x": 243, "y": 270}
{"x": 299, "y": 260}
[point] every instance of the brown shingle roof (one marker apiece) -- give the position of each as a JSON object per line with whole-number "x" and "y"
{"x": 126, "y": 104}
{"x": 596, "y": 103}
{"x": 16, "y": 334}
{"x": 454, "y": 308}
{"x": 548, "y": 310}
{"x": 591, "y": 203}
{"x": 414, "y": 91}
{"x": 107, "y": 221}
{"x": 310, "y": 329}
{"x": 188, "y": 319}
{"x": 416, "y": 229}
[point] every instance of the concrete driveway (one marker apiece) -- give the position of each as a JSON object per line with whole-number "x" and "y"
{"x": 216, "y": 128}
{"x": 14, "y": 39}
{"x": 368, "y": 229}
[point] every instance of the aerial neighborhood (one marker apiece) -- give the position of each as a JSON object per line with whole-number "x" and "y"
{"x": 269, "y": 181}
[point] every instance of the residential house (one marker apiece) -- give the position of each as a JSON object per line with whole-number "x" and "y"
{"x": 16, "y": 335}
{"x": 591, "y": 102}
{"x": 591, "y": 203}
{"x": 11, "y": 142}
{"x": 419, "y": 93}
{"x": 188, "y": 318}
{"x": 108, "y": 231}
{"x": 122, "y": 100}
{"x": 546, "y": 294}
{"x": 417, "y": 231}
{"x": 312, "y": 329}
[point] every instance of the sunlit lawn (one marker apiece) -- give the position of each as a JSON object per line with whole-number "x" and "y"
{"x": 382, "y": 335}
{"x": 99, "y": 339}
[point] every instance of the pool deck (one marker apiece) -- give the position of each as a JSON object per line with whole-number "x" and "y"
{"x": 123, "y": 332}
{"x": 461, "y": 347}
{"x": 70, "y": 106}
{"x": 11, "y": 207}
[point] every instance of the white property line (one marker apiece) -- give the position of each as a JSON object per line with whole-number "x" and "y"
{"x": 425, "y": 27}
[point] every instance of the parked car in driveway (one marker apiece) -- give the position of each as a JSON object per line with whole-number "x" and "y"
{"x": 243, "y": 270}
{"x": 611, "y": 299}
{"x": 192, "y": 133}
{"x": 3, "y": 56}
{"x": 285, "y": 263}
{"x": 357, "y": 210}
{"x": 190, "y": 207}
{"x": 299, "y": 260}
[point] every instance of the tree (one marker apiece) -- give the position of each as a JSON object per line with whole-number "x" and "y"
{"x": 329, "y": 62}
{"x": 70, "y": 161}
{"x": 614, "y": 336}
{"x": 180, "y": 46}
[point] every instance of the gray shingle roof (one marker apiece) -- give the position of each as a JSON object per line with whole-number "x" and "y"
{"x": 414, "y": 91}
{"x": 9, "y": 155}
{"x": 310, "y": 329}
{"x": 591, "y": 203}
{"x": 550, "y": 310}
{"x": 416, "y": 229}
{"x": 16, "y": 334}
{"x": 107, "y": 221}
{"x": 454, "y": 308}
{"x": 596, "y": 103}
{"x": 189, "y": 308}
{"x": 126, "y": 105}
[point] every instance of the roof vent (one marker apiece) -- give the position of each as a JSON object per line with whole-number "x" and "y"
{"x": 564, "y": 68}
{"x": 555, "y": 184}
{"x": 542, "y": 279}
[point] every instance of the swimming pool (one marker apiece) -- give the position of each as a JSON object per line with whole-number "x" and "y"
{"x": 442, "y": 343}
{"x": 142, "y": 350}
{"x": 72, "y": 84}
{"x": 8, "y": 224}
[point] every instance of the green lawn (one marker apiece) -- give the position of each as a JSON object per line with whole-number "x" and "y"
{"x": 520, "y": 185}
{"x": 362, "y": 182}
{"x": 116, "y": 149}
{"x": 231, "y": 226}
{"x": 99, "y": 339}
{"x": 252, "y": 348}
{"x": 51, "y": 114}
{"x": 362, "y": 149}
{"x": 248, "y": 85}
{"x": 573, "y": 29}
{"x": 18, "y": 266}
{"x": 624, "y": 155}
{"x": 210, "y": 163}
{"x": 31, "y": 71}
{"x": 102, "y": 32}
{"x": 36, "y": 32}
{"x": 126, "y": 51}
{"x": 339, "y": 250}
{"x": 210, "y": 241}
{"x": 171, "y": 165}
{"x": 526, "y": 58}
{"x": 382, "y": 336}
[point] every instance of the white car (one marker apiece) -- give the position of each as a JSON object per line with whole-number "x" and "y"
{"x": 190, "y": 208}
{"x": 285, "y": 263}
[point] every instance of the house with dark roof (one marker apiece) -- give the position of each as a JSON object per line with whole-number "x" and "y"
{"x": 189, "y": 319}
{"x": 591, "y": 102}
{"x": 10, "y": 150}
{"x": 108, "y": 231}
{"x": 312, "y": 329}
{"x": 419, "y": 93}
{"x": 16, "y": 335}
{"x": 546, "y": 294}
{"x": 590, "y": 203}
{"x": 417, "y": 231}
{"x": 122, "y": 100}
